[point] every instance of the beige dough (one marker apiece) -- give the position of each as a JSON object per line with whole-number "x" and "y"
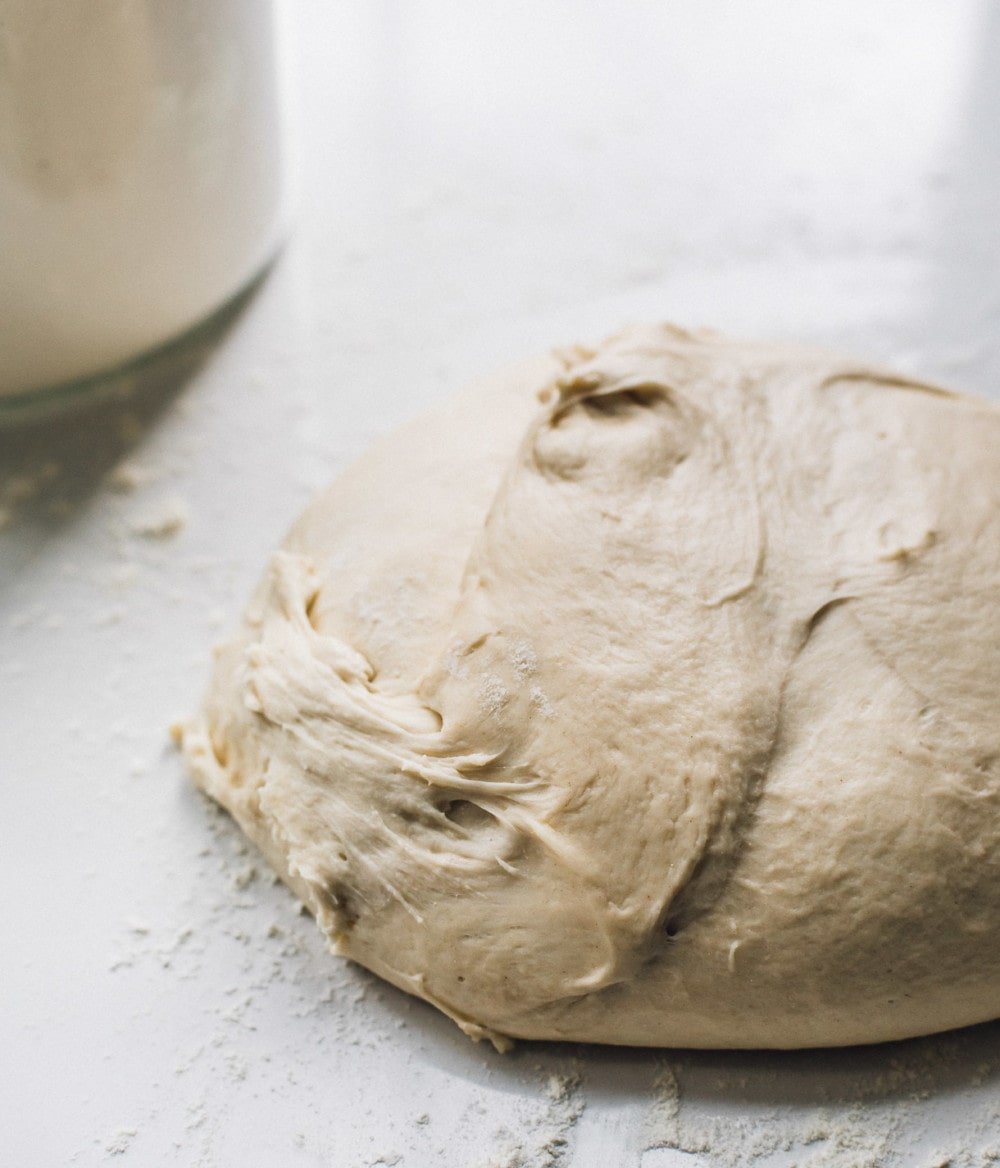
{"x": 648, "y": 695}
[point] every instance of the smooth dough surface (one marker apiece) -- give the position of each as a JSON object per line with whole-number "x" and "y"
{"x": 646, "y": 695}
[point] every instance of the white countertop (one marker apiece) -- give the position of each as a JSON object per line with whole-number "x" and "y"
{"x": 476, "y": 182}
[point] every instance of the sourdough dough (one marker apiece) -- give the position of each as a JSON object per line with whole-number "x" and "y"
{"x": 648, "y": 695}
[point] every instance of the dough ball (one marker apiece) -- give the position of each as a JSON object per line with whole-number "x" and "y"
{"x": 647, "y": 695}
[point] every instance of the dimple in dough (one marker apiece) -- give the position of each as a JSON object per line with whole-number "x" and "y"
{"x": 646, "y": 695}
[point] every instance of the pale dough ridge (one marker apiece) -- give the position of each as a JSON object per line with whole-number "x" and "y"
{"x": 646, "y": 695}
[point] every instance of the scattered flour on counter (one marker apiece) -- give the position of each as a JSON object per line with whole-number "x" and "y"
{"x": 278, "y": 967}
{"x": 861, "y": 1140}
{"x": 706, "y": 1111}
{"x": 545, "y": 1140}
{"x": 661, "y": 1124}
{"x": 877, "y": 1120}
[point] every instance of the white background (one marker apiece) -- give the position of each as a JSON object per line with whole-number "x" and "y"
{"x": 475, "y": 182}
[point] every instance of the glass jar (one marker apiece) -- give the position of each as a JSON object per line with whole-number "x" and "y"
{"x": 142, "y": 179}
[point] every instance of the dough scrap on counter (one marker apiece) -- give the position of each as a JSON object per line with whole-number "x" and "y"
{"x": 649, "y": 694}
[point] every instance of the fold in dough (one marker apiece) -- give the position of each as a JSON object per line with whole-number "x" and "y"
{"x": 646, "y": 695}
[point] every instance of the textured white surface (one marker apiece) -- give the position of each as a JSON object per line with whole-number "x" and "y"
{"x": 476, "y": 183}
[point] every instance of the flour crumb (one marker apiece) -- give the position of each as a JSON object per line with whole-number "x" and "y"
{"x": 545, "y": 1140}
{"x": 245, "y": 877}
{"x": 237, "y": 1067}
{"x": 560, "y": 1088}
{"x": 163, "y": 521}
{"x": 493, "y": 695}
{"x": 129, "y": 476}
{"x": 524, "y": 660}
{"x": 661, "y": 1124}
{"x": 540, "y": 703}
{"x": 119, "y": 1142}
